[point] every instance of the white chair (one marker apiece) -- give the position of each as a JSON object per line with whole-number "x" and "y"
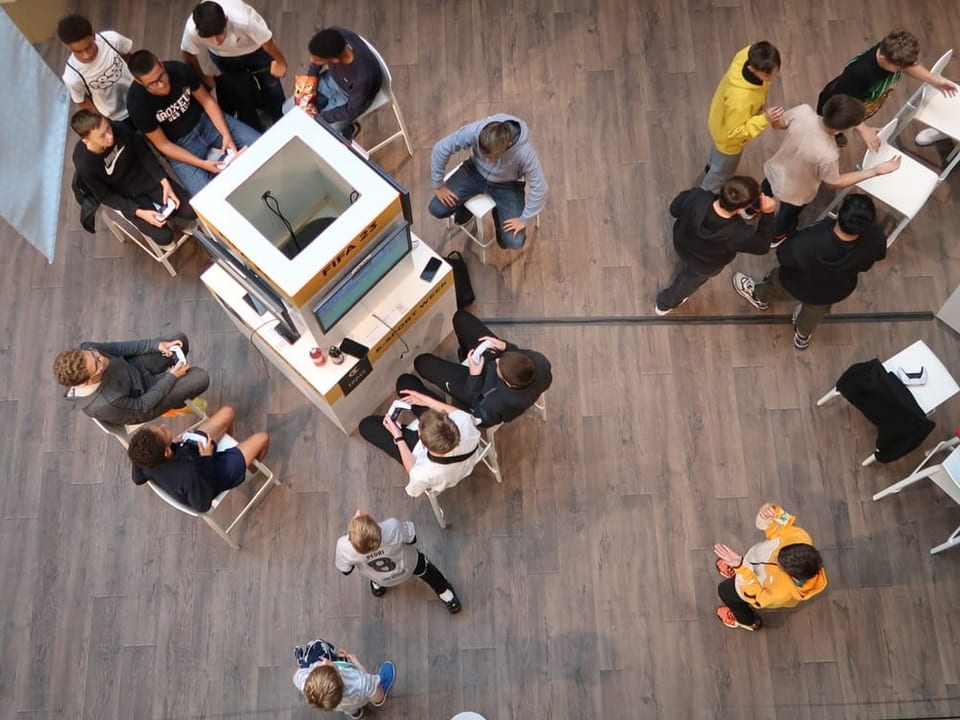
{"x": 259, "y": 471}
{"x": 124, "y": 230}
{"x": 946, "y": 476}
{"x": 936, "y": 110}
{"x": 122, "y": 433}
{"x": 905, "y": 190}
{"x": 481, "y": 208}
{"x": 939, "y": 388}
{"x": 488, "y": 456}
{"x": 386, "y": 97}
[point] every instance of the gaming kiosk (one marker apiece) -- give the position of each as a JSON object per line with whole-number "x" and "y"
{"x": 313, "y": 249}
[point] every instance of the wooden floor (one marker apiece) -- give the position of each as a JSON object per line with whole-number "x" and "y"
{"x": 587, "y": 577}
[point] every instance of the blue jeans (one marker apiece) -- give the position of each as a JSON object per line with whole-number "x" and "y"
{"x": 271, "y": 91}
{"x": 329, "y": 96}
{"x": 508, "y": 197}
{"x": 199, "y": 141}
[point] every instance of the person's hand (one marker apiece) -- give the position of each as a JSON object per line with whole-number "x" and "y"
{"x": 417, "y": 398}
{"x": 278, "y": 68}
{"x": 768, "y": 511}
{"x": 495, "y": 342}
{"x": 475, "y": 368}
{"x": 168, "y": 193}
{"x": 150, "y": 216}
{"x": 514, "y": 225}
{"x": 166, "y": 346}
{"x": 211, "y": 166}
{"x": 888, "y": 166}
{"x": 945, "y": 86}
{"x": 229, "y": 144}
{"x": 179, "y": 370}
{"x": 871, "y": 136}
{"x": 392, "y": 427}
{"x": 206, "y": 448}
{"x": 767, "y": 204}
{"x": 730, "y": 557}
{"x": 775, "y": 117}
{"x": 447, "y": 196}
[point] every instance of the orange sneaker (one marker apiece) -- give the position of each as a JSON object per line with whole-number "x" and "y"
{"x": 177, "y": 412}
{"x": 725, "y": 568}
{"x": 726, "y": 616}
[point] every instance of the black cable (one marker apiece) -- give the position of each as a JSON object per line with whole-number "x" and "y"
{"x": 276, "y": 211}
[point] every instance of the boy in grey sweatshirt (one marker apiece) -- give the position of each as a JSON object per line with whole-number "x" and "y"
{"x": 502, "y": 156}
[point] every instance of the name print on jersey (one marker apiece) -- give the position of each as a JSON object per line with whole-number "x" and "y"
{"x": 175, "y": 109}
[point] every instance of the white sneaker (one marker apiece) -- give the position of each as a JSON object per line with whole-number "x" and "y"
{"x": 745, "y": 287}
{"x": 929, "y": 137}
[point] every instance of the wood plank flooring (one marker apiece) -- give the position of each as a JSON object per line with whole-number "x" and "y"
{"x": 587, "y": 576}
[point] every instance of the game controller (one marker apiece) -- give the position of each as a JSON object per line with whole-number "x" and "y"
{"x": 480, "y": 350}
{"x": 912, "y": 378}
{"x": 167, "y": 210}
{"x": 177, "y": 352}
{"x": 197, "y": 438}
{"x": 396, "y": 408}
{"x": 226, "y": 159}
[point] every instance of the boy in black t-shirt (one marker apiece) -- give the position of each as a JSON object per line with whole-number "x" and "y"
{"x": 169, "y": 104}
{"x": 872, "y": 75}
{"x": 122, "y": 173}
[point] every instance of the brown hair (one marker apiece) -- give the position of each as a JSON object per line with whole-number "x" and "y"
{"x": 842, "y": 112}
{"x": 517, "y": 369}
{"x": 738, "y": 192}
{"x": 364, "y": 533}
{"x": 495, "y": 139}
{"x": 901, "y": 48}
{"x": 438, "y": 432}
{"x": 147, "y": 449}
{"x": 324, "y": 687}
{"x": 70, "y": 368}
{"x": 763, "y": 56}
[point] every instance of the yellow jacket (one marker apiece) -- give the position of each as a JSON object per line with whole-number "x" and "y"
{"x": 736, "y": 111}
{"x": 759, "y": 579}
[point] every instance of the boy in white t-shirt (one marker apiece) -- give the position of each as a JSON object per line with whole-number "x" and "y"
{"x": 334, "y": 679}
{"x": 386, "y": 554}
{"x": 96, "y": 72}
{"x": 237, "y": 40}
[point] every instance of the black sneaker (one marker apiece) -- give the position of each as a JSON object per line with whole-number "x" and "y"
{"x": 453, "y": 604}
{"x": 462, "y": 216}
{"x": 841, "y": 140}
{"x": 377, "y": 590}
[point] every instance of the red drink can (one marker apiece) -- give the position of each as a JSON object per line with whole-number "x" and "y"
{"x": 319, "y": 359}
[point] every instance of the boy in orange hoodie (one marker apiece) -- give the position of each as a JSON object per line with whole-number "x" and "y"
{"x": 780, "y": 572}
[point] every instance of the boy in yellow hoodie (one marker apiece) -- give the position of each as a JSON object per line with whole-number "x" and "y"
{"x": 737, "y": 113}
{"x": 780, "y": 572}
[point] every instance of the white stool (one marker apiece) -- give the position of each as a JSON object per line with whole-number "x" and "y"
{"x": 385, "y": 97}
{"x": 946, "y": 476}
{"x": 124, "y": 230}
{"x": 939, "y": 388}
{"x": 123, "y": 433}
{"x": 481, "y": 208}
{"x": 259, "y": 470}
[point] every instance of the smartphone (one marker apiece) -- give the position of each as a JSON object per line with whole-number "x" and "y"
{"x": 431, "y": 269}
{"x": 352, "y": 347}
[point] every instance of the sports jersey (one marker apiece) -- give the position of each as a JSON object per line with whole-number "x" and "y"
{"x": 245, "y": 33}
{"x": 106, "y": 79}
{"x": 176, "y": 113}
{"x": 389, "y": 565}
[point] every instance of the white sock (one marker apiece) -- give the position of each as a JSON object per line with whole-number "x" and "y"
{"x": 446, "y": 595}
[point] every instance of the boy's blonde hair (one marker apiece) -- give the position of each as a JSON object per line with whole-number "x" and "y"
{"x": 70, "y": 368}
{"x": 324, "y": 687}
{"x": 364, "y": 533}
{"x": 438, "y": 432}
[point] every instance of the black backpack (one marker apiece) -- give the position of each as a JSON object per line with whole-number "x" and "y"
{"x": 461, "y": 280}
{"x": 88, "y": 203}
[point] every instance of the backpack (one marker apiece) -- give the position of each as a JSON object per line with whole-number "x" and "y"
{"x": 88, "y": 203}
{"x": 461, "y": 280}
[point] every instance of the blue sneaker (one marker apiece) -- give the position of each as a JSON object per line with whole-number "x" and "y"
{"x": 387, "y": 673}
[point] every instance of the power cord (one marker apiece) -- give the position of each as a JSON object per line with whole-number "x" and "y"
{"x": 266, "y": 197}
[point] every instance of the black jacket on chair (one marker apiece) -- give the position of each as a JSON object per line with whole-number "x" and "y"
{"x": 888, "y": 404}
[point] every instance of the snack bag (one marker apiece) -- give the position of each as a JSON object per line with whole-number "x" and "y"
{"x": 305, "y": 93}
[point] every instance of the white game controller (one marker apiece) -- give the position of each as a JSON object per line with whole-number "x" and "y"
{"x": 480, "y": 350}
{"x": 200, "y": 440}
{"x": 177, "y": 352}
{"x": 396, "y": 408}
{"x": 167, "y": 210}
{"x": 227, "y": 158}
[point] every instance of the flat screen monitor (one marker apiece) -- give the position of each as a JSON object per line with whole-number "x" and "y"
{"x": 363, "y": 277}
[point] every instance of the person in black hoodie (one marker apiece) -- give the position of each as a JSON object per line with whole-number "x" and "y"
{"x": 819, "y": 266}
{"x": 709, "y": 233}
{"x": 121, "y": 172}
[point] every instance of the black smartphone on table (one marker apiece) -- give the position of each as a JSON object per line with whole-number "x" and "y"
{"x": 431, "y": 269}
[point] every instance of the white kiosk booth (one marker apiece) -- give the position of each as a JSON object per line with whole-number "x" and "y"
{"x": 312, "y": 247}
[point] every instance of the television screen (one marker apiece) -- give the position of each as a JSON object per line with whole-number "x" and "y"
{"x": 362, "y": 278}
